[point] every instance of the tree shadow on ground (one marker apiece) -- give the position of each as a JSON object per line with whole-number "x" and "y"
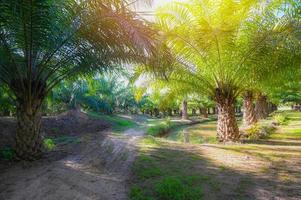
{"x": 277, "y": 142}
{"x": 279, "y": 179}
{"x": 218, "y": 181}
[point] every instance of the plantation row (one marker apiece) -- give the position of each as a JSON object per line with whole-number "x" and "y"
{"x": 196, "y": 55}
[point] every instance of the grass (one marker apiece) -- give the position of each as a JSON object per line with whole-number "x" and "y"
{"x": 161, "y": 173}
{"x": 166, "y": 126}
{"x": 291, "y": 129}
{"x": 205, "y": 132}
{"x": 119, "y": 124}
{"x": 167, "y": 168}
{"x": 51, "y": 143}
{"x": 176, "y": 188}
{"x": 159, "y": 127}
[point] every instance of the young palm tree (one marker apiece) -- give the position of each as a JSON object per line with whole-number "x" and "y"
{"x": 217, "y": 45}
{"x": 44, "y": 41}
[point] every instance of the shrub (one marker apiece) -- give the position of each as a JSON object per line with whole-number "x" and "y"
{"x": 280, "y": 119}
{"x": 173, "y": 188}
{"x": 136, "y": 193}
{"x": 256, "y": 132}
{"x": 49, "y": 144}
{"x": 253, "y": 132}
{"x": 7, "y": 153}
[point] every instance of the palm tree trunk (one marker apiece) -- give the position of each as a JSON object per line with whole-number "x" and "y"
{"x": 249, "y": 115}
{"x": 184, "y": 110}
{"x": 193, "y": 112}
{"x": 203, "y": 111}
{"x": 227, "y": 128}
{"x": 169, "y": 110}
{"x": 261, "y": 107}
{"x": 28, "y": 136}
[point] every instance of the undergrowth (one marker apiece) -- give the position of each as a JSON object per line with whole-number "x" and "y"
{"x": 160, "y": 129}
{"x": 170, "y": 188}
{"x": 258, "y": 131}
{"x": 7, "y": 153}
{"x": 52, "y": 142}
{"x": 49, "y": 144}
{"x": 280, "y": 119}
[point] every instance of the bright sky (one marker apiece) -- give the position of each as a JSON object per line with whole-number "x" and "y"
{"x": 156, "y": 4}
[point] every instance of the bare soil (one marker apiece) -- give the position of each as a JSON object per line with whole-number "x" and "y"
{"x": 71, "y": 123}
{"x": 98, "y": 167}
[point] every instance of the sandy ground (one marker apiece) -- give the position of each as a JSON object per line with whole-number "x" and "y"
{"x": 97, "y": 168}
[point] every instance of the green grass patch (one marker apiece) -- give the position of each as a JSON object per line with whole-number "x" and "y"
{"x": 119, "y": 124}
{"x": 145, "y": 167}
{"x": 291, "y": 129}
{"x": 175, "y": 188}
{"x": 161, "y": 173}
{"x": 159, "y": 128}
{"x": 136, "y": 193}
{"x": 170, "y": 188}
{"x": 51, "y": 142}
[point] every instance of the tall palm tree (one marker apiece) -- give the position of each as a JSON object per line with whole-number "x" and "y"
{"x": 217, "y": 45}
{"x": 44, "y": 41}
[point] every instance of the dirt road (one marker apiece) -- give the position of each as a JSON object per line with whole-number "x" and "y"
{"x": 97, "y": 168}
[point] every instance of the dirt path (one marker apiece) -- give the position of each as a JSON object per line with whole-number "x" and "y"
{"x": 98, "y": 168}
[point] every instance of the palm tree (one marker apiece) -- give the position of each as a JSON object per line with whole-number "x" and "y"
{"x": 217, "y": 45}
{"x": 44, "y": 41}
{"x": 249, "y": 115}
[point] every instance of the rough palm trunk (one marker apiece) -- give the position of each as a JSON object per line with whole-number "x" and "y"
{"x": 28, "y": 136}
{"x": 227, "y": 129}
{"x": 272, "y": 107}
{"x": 203, "y": 111}
{"x": 184, "y": 110}
{"x": 249, "y": 115}
{"x": 239, "y": 109}
{"x": 169, "y": 110}
{"x": 261, "y": 107}
{"x": 156, "y": 112}
{"x": 214, "y": 110}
